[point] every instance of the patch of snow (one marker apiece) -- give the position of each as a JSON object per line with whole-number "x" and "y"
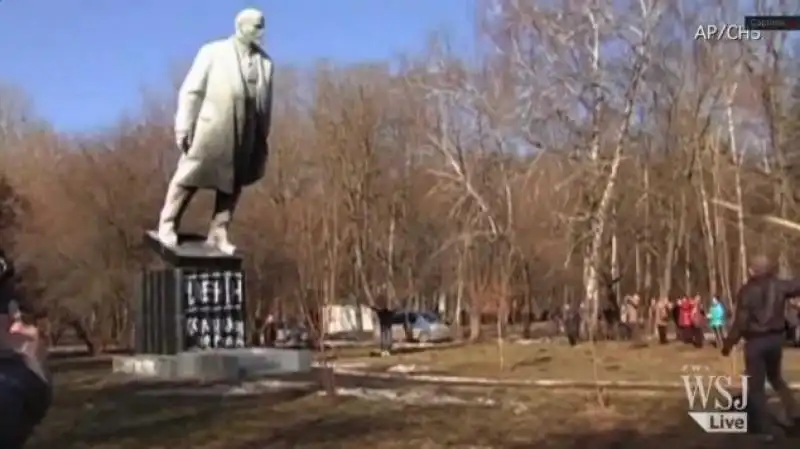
{"x": 419, "y": 344}
{"x": 531, "y": 341}
{"x": 404, "y": 369}
{"x": 464, "y": 380}
{"x": 244, "y": 389}
{"x": 346, "y": 343}
{"x": 334, "y": 364}
{"x": 413, "y": 397}
{"x": 543, "y": 340}
{"x": 421, "y": 377}
{"x": 516, "y": 407}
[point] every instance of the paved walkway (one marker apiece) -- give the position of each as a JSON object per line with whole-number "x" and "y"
{"x": 357, "y": 379}
{"x": 360, "y": 371}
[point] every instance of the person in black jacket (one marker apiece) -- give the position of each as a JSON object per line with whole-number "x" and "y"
{"x": 572, "y": 323}
{"x": 385, "y": 321}
{"x": 759, "y": 319}
{"x": 24, "y": 385}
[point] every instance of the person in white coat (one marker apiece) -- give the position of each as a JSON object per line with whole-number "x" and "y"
{"x": 221, "y": 127}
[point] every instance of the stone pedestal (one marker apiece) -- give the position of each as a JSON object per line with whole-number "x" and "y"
{"x": 192, "y": 252}
{"x": 197, "y": 302}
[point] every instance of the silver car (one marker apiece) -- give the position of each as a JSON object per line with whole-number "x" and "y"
{"x": 425, "y": 327}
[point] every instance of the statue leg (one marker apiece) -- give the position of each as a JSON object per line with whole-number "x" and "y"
{"x": 175, "y": 203}
{"x": 224, "y": 207}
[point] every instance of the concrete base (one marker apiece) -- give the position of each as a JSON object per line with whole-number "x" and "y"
{"x": 215, "y": 365}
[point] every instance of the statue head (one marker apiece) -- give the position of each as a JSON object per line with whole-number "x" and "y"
{"x": 250, "y": 26}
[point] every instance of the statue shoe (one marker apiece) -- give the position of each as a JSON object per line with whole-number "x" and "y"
{"x": 226, "y": 247}
{"x": 167, "y": 236}
{"x": 221, "y": 243}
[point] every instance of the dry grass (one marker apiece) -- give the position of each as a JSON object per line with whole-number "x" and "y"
{"x": 615, "y": 361}
{"x": 94, "y": 411}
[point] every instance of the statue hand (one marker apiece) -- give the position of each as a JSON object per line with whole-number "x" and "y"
{"x": 183, "y": 141}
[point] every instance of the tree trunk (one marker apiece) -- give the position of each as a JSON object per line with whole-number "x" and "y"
{"x": 648, "y": 257}
{"x": 462, "y": 254}
{"x": 674, "y": 239}
{"x": 709, "y": 231}
{"x": 784, "y": 266}
{"x": 687, "y": 268}
{"x": 593, "y": 259}
{"x": 528, "y": 315}
{"x": 738, "y": 161}
{"x": 615, "y": 264}
{"x": 637, "y": 256}
{"x": 84, "y": 334}
{"x": 723, "y": 249}
{"x": 362, "y": 274}
{"x": 475, "y": 321}
{"x": 391, "y": 294}
{"x": 475, "y": 307}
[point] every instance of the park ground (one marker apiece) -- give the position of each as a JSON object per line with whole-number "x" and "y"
{"x": 94, "y": 409}
{"x": 610, "y": 361}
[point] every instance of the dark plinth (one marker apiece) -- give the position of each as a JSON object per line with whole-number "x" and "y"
{"x": 182, "y": 309}
{"x": 160, "y": 327}
{"x": 192, "y": 252}
{"x": 196, "y": 303}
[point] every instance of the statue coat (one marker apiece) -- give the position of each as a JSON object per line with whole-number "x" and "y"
{"x": 211, "y": 108}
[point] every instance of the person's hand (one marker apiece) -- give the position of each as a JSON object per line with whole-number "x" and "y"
{"x": 19, "y": 336}
{"x": 184, "y": 141}
{"x": 26, "y": 340}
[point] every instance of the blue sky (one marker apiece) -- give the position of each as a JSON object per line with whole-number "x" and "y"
{"x": 85, "y": 62}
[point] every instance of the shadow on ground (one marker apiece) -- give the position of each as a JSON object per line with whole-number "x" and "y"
{"x": 94, "y": 411}
{"x": 333, "y": 431}
{"x": 121, "y": 418}
{"x": 452, "y": 427}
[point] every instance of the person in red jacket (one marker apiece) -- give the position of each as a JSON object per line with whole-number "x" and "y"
{"x": 685, "y": 319}
{"x": 698, "y": 322}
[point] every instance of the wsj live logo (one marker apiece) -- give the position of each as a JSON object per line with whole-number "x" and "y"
{"x": 717, "y": 403}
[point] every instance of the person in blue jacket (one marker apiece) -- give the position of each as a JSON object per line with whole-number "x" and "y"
{"x": 716, "y": 320}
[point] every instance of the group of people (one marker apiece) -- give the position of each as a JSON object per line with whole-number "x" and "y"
{"x": 691, "y": 319}
{"x": 688, "y": 315}
{"x": 759, "y": 318}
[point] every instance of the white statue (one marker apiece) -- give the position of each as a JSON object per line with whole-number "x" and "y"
{"x": 221, "y": 126}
